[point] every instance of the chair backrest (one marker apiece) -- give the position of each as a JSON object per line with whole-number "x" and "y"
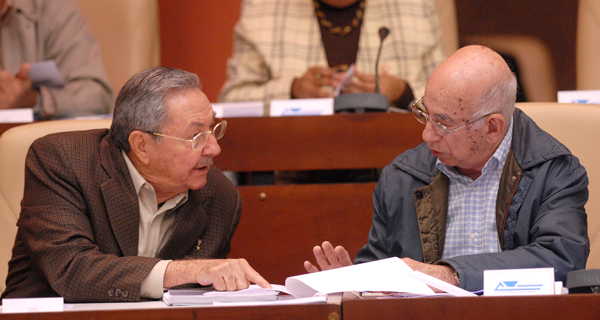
{"x": 129, "y": 35}
{"x": 576, "y": 126}
{"x": 588, "y": 45}
{"x": 284, "y": 222}
{"x": 447, "y": 14}
{"x": 14, "y": 145}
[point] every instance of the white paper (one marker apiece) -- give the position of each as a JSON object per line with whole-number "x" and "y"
{"x": 21, "y": 305}
{"x": 46, "y": 74}
{"x": 382, "y": 275}
{"x": 23, "y": 115}
{"x": 239, "y": 109}
{"x": 301, "y": 107}
{"x": 349, "y": 74}
{"x": 442, "y": 285}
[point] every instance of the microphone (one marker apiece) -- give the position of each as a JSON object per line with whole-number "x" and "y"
{"x": 383, "y": 33}
{"x": 365, "y": 101}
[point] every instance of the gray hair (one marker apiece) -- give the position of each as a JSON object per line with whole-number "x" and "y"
{"x": 499, "y": 98}
{"x": 141, "y": 104}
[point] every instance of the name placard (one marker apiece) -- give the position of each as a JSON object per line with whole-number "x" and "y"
{"x": 515, "y": 282}
{"x": 301, "y": 107}
{"x": 32, "y": 305}
{"x": 579, "y": 96}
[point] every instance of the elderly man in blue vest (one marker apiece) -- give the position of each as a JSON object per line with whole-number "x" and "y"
{"x": 487, "y": 190}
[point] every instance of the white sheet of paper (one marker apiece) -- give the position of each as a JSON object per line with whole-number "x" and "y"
{"x": 349, "y": 74}
{"x": 32, "y": 305}
{"x": 46, "y": 74}
{"x": 23, "y": 115}
{"x": 382, "y": 275}
{"x": 442, "y": 285}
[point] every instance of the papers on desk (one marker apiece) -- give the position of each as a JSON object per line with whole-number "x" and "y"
{"x": 389, "y": 275}
{"x": 188, "y": 297}
{"x": 386, "y": 275}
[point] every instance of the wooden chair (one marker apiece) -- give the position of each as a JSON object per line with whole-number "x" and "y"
{"x": 282, "y": 223}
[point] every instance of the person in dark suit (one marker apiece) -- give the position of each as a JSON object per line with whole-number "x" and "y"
{"x": 120, "y": 214}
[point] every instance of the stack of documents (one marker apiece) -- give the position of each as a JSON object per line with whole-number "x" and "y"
{"x": 184, "y": 297}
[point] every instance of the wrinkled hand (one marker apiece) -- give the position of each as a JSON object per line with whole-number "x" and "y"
{"x": 222, "y": 274}
{"x": 389, "y": 85}
{"x": 311, "y": 84}
{"x": 16, "y": 91}
{"x": 442, "y": 272}
{"x": 328, "y": 258}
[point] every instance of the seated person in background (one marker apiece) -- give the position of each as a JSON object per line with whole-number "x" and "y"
{"x": 39, "y": 30}
{"x": 120, "y": 214}
{"x": 294, "y": 48}
{"x": 487, "y": 190}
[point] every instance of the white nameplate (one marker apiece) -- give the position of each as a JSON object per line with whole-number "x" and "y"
{"x": 23, "y": 115}
{"x": 239, "y": 109}
{"x": 516, "y": 282}
{"x": 32, "y": 305}
{"x": 301, "y": 107}
{"x": 579, "y": 96}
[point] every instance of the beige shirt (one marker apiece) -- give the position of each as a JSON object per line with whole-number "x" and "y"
{"x": 156, "y": 226}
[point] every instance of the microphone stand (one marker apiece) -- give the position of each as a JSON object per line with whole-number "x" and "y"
{"x": 365, "y": 101}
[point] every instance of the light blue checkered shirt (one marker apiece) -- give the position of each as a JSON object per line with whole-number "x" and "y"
{"x": 471, "y": 223}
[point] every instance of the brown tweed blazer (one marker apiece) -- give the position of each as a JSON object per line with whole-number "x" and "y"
{"x": 79, "y": 223}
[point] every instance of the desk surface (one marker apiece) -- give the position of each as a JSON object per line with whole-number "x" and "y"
{"x": 575, "y": 306}
{"x": 158, "y": 310}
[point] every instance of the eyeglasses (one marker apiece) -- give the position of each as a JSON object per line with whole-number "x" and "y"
{"x": 200, "y": 140}
{"x": 420, "y": 112}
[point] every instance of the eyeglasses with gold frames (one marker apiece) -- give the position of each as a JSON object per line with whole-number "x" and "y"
{"x": 199, "y": 140}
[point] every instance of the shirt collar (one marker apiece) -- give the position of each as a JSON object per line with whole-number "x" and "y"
{"x": 138, "y": 180}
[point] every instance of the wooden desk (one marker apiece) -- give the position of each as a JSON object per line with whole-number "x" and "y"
{"x": 157, "y": 310}
{"x": 575, "y": 306}
{"x": 340, "y": 141}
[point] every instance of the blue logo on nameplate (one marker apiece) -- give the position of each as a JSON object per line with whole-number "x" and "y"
{"x": 515, "y": 286}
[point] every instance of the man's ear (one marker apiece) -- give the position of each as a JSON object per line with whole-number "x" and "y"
{"x": 139, "y": 145}
{"x": 496, "y": 125}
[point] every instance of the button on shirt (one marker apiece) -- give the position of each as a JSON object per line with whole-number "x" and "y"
{"x": 156, "y": 226}
{"x": 471, "y": 223}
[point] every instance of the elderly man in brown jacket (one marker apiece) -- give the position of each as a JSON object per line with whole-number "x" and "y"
{"x": 120, "y": 214}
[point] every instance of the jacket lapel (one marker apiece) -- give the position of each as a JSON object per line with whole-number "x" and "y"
{"x": 191, "y": 219}
{"x": 120, "y": 198}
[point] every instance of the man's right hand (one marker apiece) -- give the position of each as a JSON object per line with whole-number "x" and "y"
{"x": 222, "y": 274}
{"x": 328, "y": 258}
{"x": 311, "y": 84}
{"x": 16, "y": 91}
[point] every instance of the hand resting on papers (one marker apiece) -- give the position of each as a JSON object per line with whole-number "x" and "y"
{"x": 222, "y": 274}
{"x": 329, "y": 257}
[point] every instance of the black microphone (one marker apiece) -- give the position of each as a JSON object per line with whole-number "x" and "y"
{"x": 383, "y": 33}
{"x": 365, "y": 101}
